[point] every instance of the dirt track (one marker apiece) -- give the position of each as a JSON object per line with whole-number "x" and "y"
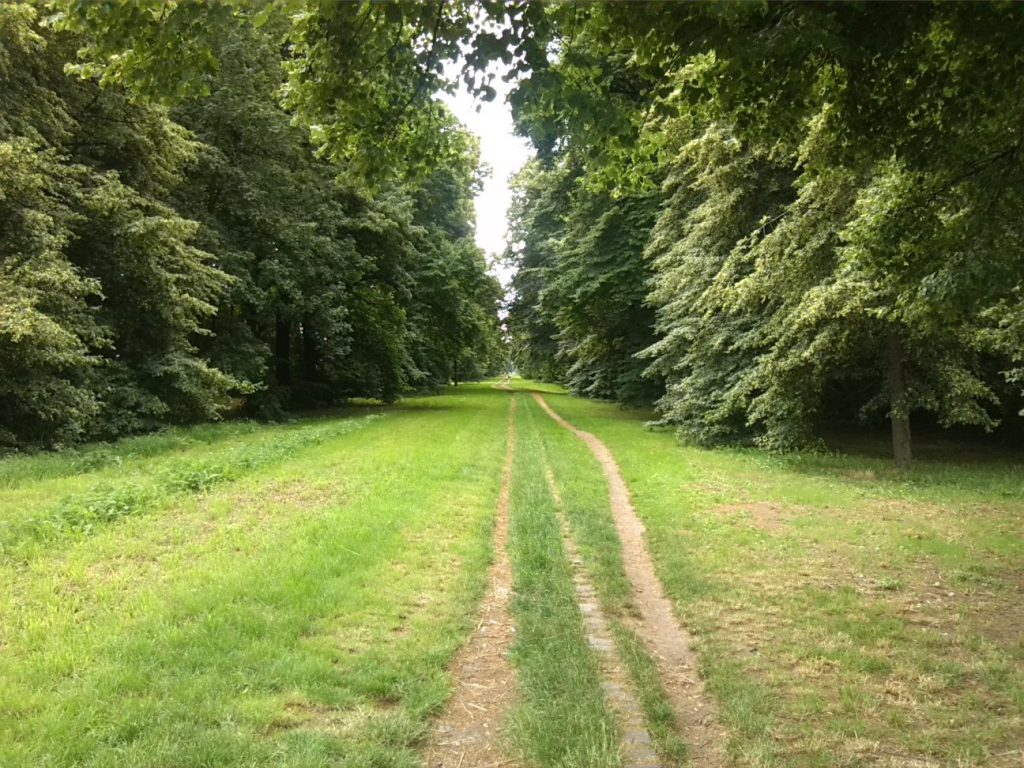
{"x": 637, "y": 747}
{"x": 468, "y": 733}
{"x": 658, "y": 628}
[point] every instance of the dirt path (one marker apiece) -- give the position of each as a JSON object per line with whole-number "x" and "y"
{"x": 637, "y": 748}
{"x": 468, "y": 733}
{"x": 666, "y": 640}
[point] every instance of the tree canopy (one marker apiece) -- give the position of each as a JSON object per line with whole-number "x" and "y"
{"x": 762, "y": 218}
{"x": 177, "y": 242}
{"x": 838, "y": 229}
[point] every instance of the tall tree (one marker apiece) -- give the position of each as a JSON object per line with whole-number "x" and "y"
{"x": 872, "y": 251}
{"x": 159, "y": 270}
{"x": 108, "y": 293}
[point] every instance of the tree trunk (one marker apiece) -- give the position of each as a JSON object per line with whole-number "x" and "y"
{"x": 899, "y": 415}
{"x": 283, "y": 351}
{"x": 310, "y": 352}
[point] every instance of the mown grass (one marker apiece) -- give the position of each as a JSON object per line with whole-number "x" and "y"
{"x": 848, "y": 614}
{"x": 298, "y": 611}
{"x": 292, "y": 595}
{"x": 147, "y": 481}
{"x": 584, "y": 491}
{"x": 561, "y": 719}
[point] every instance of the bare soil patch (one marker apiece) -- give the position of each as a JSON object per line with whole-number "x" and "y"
{"x": 667, "y": 641}
{"x": 302, "y": 715}
{"x": 764, "y": 515}
{"x": 469, "y": 732}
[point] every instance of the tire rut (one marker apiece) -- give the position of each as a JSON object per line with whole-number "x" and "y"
{"x": 659, "y": 630}
{"x": 468, "y": 734}
{"x": 637, "y": 747}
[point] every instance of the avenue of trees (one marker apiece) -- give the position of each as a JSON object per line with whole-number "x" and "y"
{"x": 767, "y": 218}
{"x": 181, "y": 236}
{"x": 763, "y": 218}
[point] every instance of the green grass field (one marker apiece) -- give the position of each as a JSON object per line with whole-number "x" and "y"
{"x": 848, "y": 614}
{"x": 298, "y": 609}
{"x": 240, "y": 595}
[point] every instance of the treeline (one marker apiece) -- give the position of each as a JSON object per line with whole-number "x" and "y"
{"x": 770, "y": 218}
{"x": 166, "y": 260}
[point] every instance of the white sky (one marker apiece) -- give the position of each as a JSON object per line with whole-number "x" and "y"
{"x": 504, "y": 153}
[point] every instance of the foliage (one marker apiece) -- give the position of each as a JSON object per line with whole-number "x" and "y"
{"x": 843, "y": 194}
{"x": 580, "y": 284}
{"x": 106, "y": 291}
{"x": 169, "y": 264}
{"x": 362, "y": 76}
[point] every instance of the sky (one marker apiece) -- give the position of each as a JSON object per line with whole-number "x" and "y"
{"x": 504, "y": 153}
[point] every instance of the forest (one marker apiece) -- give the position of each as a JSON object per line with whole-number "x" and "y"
{"x": 167, "y": 261}
{"x": 765, "y": 220}
{"x": 772, "y": 218}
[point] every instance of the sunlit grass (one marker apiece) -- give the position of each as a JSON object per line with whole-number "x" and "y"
{"x": 300, "y": 612}
{"x": 561, "y": 719}
{"x": 292, "y": 595}
{"x": 584, "y": 492}
{"x": 848, "y": 614}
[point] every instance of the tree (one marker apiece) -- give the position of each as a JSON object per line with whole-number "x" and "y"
{"x": 106, "y": 290}
{"x": 161, "y": 266}
{"x": 853, "y": 231}
{"x": 581, "y": 284}
{"x": 361, "y": 76}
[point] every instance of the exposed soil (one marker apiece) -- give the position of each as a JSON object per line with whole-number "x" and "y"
{"x": 307, "y": 716}
{"x": 637, "y": 748}
{"x": 468, "y": 733}
{"x": 658, "y": 628}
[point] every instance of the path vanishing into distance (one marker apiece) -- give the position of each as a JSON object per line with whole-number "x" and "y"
{"x": 503, "y": 576}
{"x": 471, "y": 730}
{"x": 265, "y": 501}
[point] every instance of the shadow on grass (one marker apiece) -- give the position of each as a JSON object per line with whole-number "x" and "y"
{"x": 939, "y": 463}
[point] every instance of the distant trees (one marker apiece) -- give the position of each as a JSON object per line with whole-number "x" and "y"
{"x": 578, "y": 314}
{"x": 161, "y": 264}
{"x": 840, "y": 216}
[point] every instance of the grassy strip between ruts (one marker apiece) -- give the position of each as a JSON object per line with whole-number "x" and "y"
{"x": 585, "y": 496}
{"x": 561, "y": 719}
{"x": 302, "y": 615}
{"x": 848, "y": 614}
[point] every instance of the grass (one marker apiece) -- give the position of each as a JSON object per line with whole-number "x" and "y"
{"x": 848, "y": 614}
{"x": 238, "y": 595}
{"x": 149, "y": 479}
{"x": 585, "y": 495}
{"x": 562, "y": 719}
{"x": 299, "y": 610}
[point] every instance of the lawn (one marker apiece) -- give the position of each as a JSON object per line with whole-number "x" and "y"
{"x": 292, "y": 595}
{"x": 240, "y": 595}
{"x": 847, "y": 614}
